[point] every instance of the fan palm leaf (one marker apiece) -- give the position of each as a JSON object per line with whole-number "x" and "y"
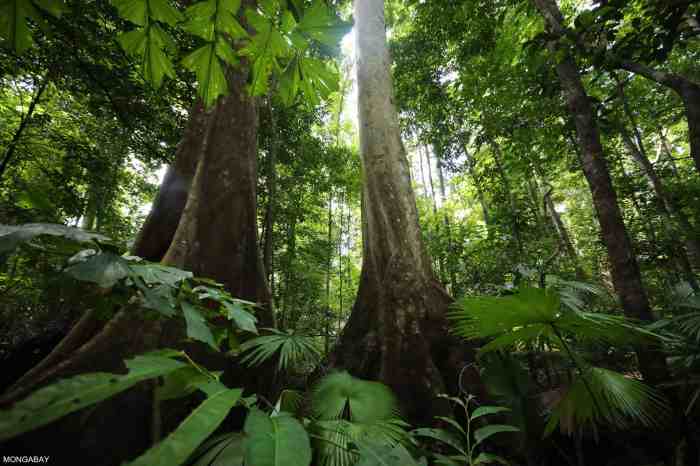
{"x": 288, "y": 347}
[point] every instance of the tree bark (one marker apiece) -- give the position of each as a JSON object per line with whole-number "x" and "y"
{"x": 397, "y": 332}
{"x": 687, "y": 90}
{"x": 158, "y": 230}
{"x": 624, "y": 268}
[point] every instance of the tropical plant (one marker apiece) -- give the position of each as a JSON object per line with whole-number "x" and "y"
{"x": 466, "y": 442}
{"x": 535, "y": 318}
{"x": 290, "y": 349}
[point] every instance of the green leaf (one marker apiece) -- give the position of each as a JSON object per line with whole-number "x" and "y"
{"x": 163, "y": 11}
{"x": 66, "y": 396}
{"x": 321, "y": 25}
{"x": 13, "y": 23}
{"x": 488, "y": 458}
{"x": 133, "y": 42}
{"x": 181, "y": 383}
{"x": 105, "y": 269}
{"x": 264, "y": 49}
{"x": 289, "y": 83}
{"x": 156, "y": 64}
{"x": 210, "y": 74}
{"x": 156, "y": 274}
{"x": 132, "y": 10}
{"x": 276, "y": 441}
{"x": 179, "y": 445}
{"x": 159, "y": 299}
{"x": 319, "y": 79}
{"x": 226, "y": 23}
{"x": 197, "y": 327}
{"x": 223, "y": 450}
{"x": 12, "y": 236}
{"x": 485, "y": 432}
{"x": 225, "y": 52}
{"x": 366, "y": 401}
{"x": 243, "y": 319}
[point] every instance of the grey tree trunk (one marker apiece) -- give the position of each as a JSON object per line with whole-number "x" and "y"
{"x": 397, "y": 332}
{"x": 623, "y": 263}
{"x": 687, "y": 90}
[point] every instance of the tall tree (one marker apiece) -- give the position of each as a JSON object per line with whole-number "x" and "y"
{"x": 624, "y": 268}
{"x": 397, "y": 332}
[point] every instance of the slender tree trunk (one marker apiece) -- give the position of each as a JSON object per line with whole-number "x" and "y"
{"x": 271, "y": 199}
{"x": 448, "y": 228}
{"x": 510, "y": 195}
{"x": 687, "y": 90}
{"x": 477, "y": 185}
{"x": 397, "y": 332}
{"x": 428, "y": 162}
{"x": 24, "y": 122}
{"x": 329, "y": 267}
{"x": 624, "y": 268}
{"x": 563, "y": 233}
{"x": 670, "y": 209}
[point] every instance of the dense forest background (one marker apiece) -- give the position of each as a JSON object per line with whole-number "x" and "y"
{"x": 409, "y": 232}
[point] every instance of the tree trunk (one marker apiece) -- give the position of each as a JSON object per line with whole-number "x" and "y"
{"x": 670, "y": 209}
{"x": 215, "y": 237}
{"x": 271, "y": 198}
{"x": 397, "y": 332}
{"x": 563, "y": 233}
{"x": 479, "y": 192}
{"x": 687, "y": 90}
{"x": 158, "y": 230}
{"x": 624, "y": 268}
{"x": 449, "y": 264}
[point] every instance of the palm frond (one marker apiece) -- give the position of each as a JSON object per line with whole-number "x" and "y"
{"x": 573, "y": 293}
{"x": 290, "y": 349}
{"x": 487, "y": 316}
{"x": 337, "y": 438}
{"x": 601, "y": 396}
{"x": 689, "y": 325}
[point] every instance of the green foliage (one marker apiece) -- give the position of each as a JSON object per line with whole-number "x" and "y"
{"x": 14, "y": 15}
{"x": 466, "y": 442}
{"x": 290, "y": 349}
{"x": 271, "y": 441}
{"x": 66, "y": 396}
{"x": 176, "y": 448}
{"x": 534, "y": 317}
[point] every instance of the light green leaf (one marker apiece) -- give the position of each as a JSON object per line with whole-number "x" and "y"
{"x": 289, "y": 83}
{"x": 12, "y": 236}
{"x": 210, "y": 74}
{"x": 367, "y": 401}
{"x": 156, "y": 64}
{"x": 225, "y": 52}
{"x": 105, "y": 269}
{"x": 163, "y": 11}
{"x": 133, "y": 42}
{"x": 66, "y": 396}
{"x": 276, "y": 441}
{"x": 485, "y": 432}
{"x": 321, "y": 25}
{"x": 176, "y": 448}
{"x": 197, "y": 327}
{"x": 226, "y": 23}
{"x": 132, "y": 10}
{"x": 156, "y": 274}
{"x": 13, "y": 23}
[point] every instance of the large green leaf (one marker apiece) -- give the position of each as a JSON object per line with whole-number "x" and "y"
{"x": 223, "y": 450}
{"x": 155, "y": 274}
{"x": 276, "y": 441}
{"x": 12, "y": 236}
{"x": 181, "y": 383}
{"x": 132, "y": 10}
{"x": 105, "y": 269}
{"x": 66, "y": 396}
{"x": 13, "y": 23}
{"x": 266, "y": 47}
{"x": 179, "y": 445}
{"x": 163, "y": 11}
{"x": 197, "y": 327}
